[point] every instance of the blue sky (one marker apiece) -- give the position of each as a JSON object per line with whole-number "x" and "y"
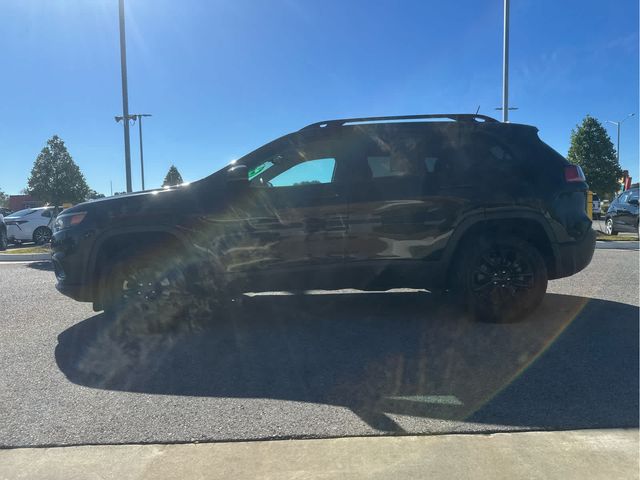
{"x": 222, "y": 77}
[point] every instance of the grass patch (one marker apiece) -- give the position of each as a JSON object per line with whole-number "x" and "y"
{"x": 617, "y": 238}
{"x": 27, "y": 250}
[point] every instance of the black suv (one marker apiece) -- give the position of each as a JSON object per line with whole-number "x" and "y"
{"x": 622, "y": 215}
{"x": 452, "y": 202}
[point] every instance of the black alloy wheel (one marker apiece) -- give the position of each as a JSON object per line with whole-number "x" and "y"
{"x": 503, "y": 278}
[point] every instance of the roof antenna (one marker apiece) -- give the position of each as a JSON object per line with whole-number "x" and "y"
{"x": 478, "y": 110}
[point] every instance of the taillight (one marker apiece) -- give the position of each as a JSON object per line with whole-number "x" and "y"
{"x": 573, "y": 173}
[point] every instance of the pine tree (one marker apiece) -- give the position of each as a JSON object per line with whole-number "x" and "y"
{"x": 592, "y": 149}
{"x": 55, "y": 178}
{"x": 173, "y": 177}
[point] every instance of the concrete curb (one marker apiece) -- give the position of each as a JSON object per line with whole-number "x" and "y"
{"x": 25, "y": 257}
{"x": 568, "y": 455}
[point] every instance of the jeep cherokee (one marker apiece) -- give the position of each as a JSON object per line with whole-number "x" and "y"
{"x": 451, "y": 202}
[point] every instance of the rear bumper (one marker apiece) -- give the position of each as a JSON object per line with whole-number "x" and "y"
{"x": 575, "y": 256}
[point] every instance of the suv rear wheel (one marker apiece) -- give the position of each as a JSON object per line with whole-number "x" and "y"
{"x": 502, "y": 279}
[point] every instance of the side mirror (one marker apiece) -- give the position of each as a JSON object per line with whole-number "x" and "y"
{"x": 238, "y": 175}
{"x": 633, "y": 201}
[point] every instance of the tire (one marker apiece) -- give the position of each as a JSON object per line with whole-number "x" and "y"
{"x": 141, "y": 296}
{"x": 608, "y": 227}
{"x": 41, "y": 235}
{"x": 501, "y": 279}
{"x": 4, "y": 241}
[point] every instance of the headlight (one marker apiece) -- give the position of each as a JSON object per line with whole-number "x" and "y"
{"x": 68, "y": 220}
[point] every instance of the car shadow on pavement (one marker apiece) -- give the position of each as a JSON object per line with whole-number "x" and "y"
{"x": 571, "y": 365}
{"x": 41, "y": 265}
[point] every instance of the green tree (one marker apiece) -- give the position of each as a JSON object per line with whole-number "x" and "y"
{"x": 92, "y": 194}
{"x": 55, "y": 178}
{"x": 592, "y": 149}
{"x": 173, "y": 177}
{"x": 4, "y": 199}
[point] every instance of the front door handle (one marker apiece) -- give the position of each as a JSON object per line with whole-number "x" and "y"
{"x": 330, "y": 195}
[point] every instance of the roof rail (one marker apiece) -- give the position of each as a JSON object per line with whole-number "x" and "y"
{"x": 458, "y": 117}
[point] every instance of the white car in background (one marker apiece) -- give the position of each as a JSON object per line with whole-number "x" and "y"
{"x": 597, "y": 210}
{"x": 31, "y": 225}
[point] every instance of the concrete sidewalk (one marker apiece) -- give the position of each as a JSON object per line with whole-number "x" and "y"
{"x": 592, "y": 454}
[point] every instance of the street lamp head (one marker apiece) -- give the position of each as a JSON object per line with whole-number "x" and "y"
{"x": 118, "y": 119}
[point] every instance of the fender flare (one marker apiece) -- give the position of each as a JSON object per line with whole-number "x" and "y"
{"x": 123, "y": 231}
{"x": 496, "y": 215}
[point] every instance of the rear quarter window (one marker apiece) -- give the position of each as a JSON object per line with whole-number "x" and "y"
{"x": 483, "y": 161}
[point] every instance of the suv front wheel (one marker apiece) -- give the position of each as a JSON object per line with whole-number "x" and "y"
{"x": 141, "y": 295}
{"x": 503, "y": 279}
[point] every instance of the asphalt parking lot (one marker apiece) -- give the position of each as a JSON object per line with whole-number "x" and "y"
{"x": 320, "y": 365}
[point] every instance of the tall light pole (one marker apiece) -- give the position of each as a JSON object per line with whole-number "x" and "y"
{"x": 139, "y": 117}
{"x": 617, "y": 124}
{"x": 125, "y": 95}
{"x": 505, "y": 65}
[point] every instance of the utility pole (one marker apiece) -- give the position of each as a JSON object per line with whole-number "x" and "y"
{"x": 125, "y": 95}
{"x": 505, "y": 65}
{"x": 139, "y": 117}
{"x": 617, "y": 124}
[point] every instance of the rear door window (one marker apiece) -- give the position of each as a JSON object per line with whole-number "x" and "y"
{"x": 385, "y": 166}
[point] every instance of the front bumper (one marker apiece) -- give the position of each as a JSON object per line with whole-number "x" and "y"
{"x": 575, "y": 256}
{"x": 77, "y": 292}
{"x": 69, "y": 258}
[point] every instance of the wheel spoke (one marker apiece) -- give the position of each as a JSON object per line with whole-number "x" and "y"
{"x": 491, "y": 262}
